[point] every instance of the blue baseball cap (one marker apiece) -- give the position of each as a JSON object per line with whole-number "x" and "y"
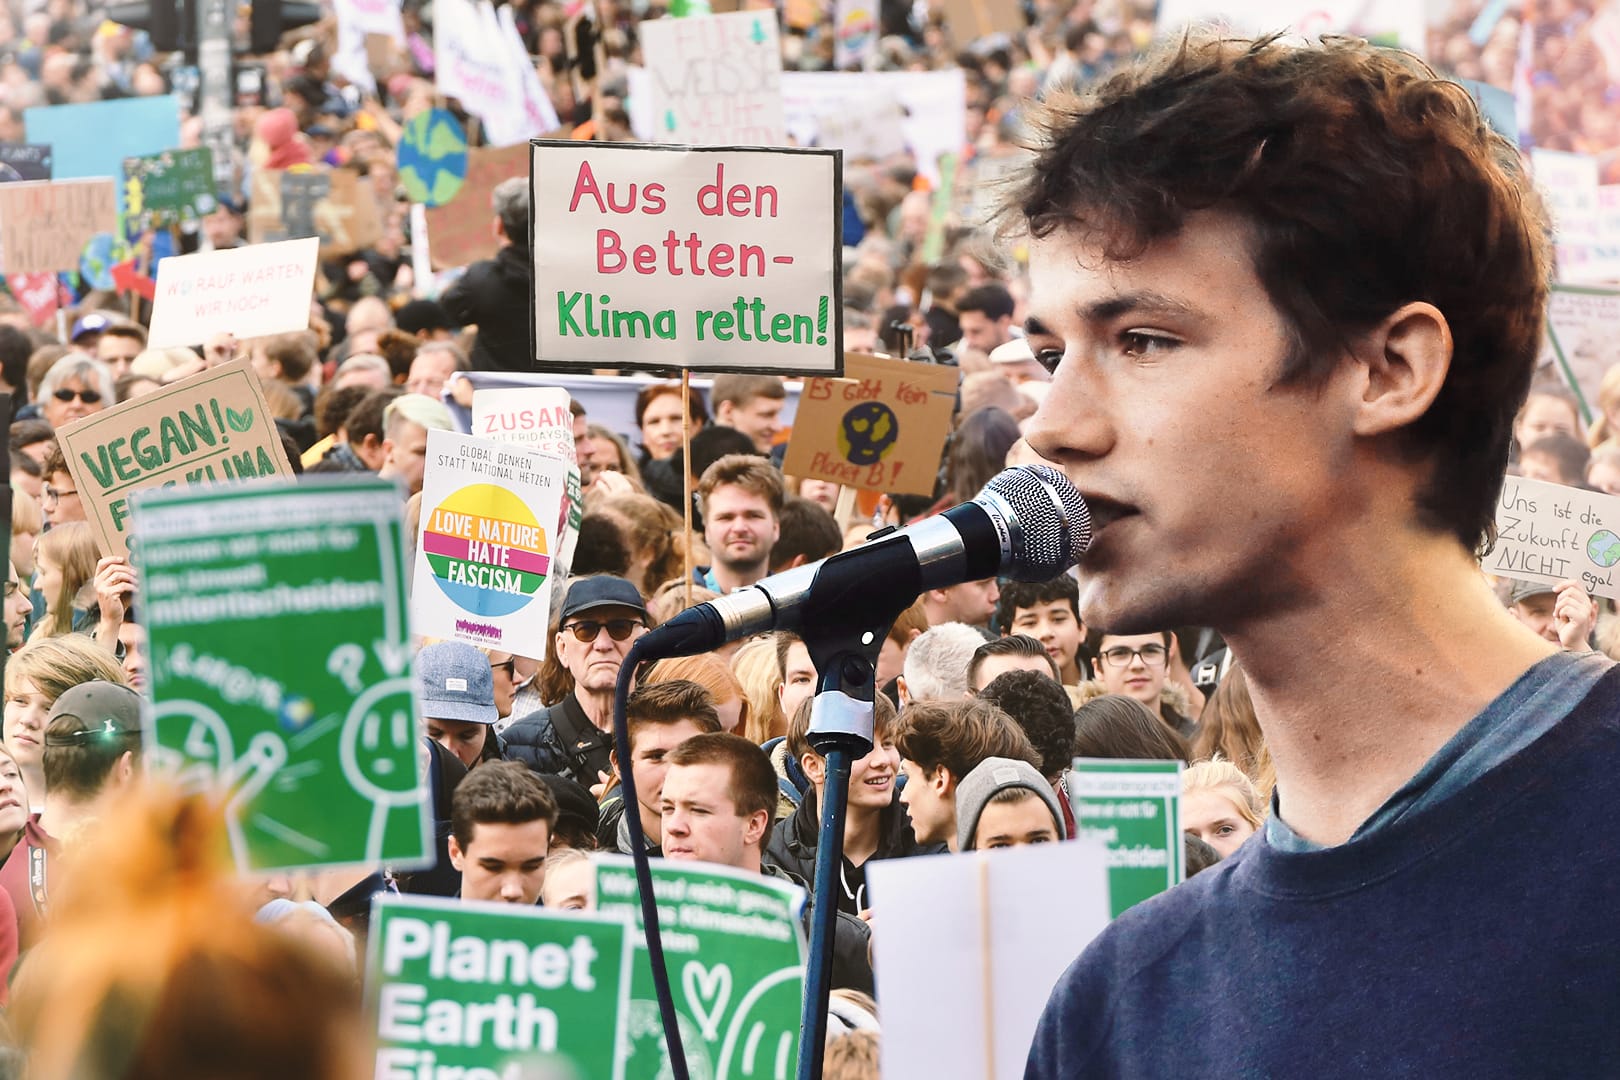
{"x": 455, "y": 682}
{"x": 93, "y": 323}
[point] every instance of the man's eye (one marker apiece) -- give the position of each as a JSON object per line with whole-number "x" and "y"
{"x": 1049, "y": 358}
{"x": 1141, "y": 344}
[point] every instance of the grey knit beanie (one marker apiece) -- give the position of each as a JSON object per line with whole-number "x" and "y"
{"x": 988, "y": 777}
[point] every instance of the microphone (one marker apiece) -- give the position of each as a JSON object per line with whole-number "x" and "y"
{"x": 1029, "y": 523}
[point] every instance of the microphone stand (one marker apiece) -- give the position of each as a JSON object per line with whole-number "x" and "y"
{"x": 848, "y": 613}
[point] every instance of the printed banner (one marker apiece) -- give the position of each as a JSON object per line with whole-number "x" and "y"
{"x": 495, "y": 990}
{"x": 882, "y": 427}
{"x": 24, "y": 161}
{"x": 718, "y": 259}
{"x": 251, "y": 291}
{"x": 44, "y": 226}
{"x": 281, "y": 667}
{"x": 460, "y": 229}
{"x": 539, "y": 419}
{"x": 172, "y": 188}
{"x": 490, "y": 513}
{"x": 716, "y": 79}
{"x": 212, "y": 428}
{"x": 735, "y": 951}
{"x": 1134, "y": 807}
{"x": 1552, "y": 533}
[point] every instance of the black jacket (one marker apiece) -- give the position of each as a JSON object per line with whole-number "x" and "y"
{"x": 793, "y": 842}
{"x": 494, "y": 295}
{"x": 560, "y": 739}
{"x": 852, "y": 942}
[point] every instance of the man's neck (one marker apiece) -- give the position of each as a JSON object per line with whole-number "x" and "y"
{"x": 1360, "y": 683}
{"x": 62, "y": 814}
{"x": 734, "y": 577}
{"x": 598, "y": 707}
{"x": 863, "y": 829}
{"x": 34, "y": 781}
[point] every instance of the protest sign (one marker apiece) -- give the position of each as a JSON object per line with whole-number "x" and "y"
{"x": 93, "y": 139}
{"x": 248, "y": 291}
{"x": 39, "y": 294}
{"x": 24, "y": 161}
{"x": 716, "y": 79}
{"x": 734, "y": 948}
{"x": 335, "y": 205}
{"x": 432, "y": 157}
{"x": 1384, "y": 22}
{"x": 996, "y": 927}
{"x": 171, "y": 188}
{"x": 970, "y": 20}
{"x": 495, "y": 990}
{"x": 1552, "y": 533}
{"x": 881, "y": 427}
{"x": 933, "y": 103}
{"x": 490, "y": 514}
{"x": 212, "y": 428}
{"x": 45, "y": 225}
{"x": 1569, "y": 185}
{"x": 461, "y": 228}
{"x": 1583, "y": 340}
{"x": 482, "y": 63}
{"x": 1134, "y": 807}
{"x": 856, "y": 34}
{"x": 720, "y": 259}
{"x": 281, "y": 665}
{"x": 539, "y": 419}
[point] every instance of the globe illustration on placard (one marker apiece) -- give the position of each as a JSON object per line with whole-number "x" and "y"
{"x": 1603, "y": 548}
{"x": 433, "y": 158}
{"x": 867, "y": 432}
{"x": 97, "y": 259}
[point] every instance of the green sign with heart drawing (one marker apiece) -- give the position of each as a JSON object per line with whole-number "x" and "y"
{"x": 735, "y": 950}
{"x": 213, "y": 428}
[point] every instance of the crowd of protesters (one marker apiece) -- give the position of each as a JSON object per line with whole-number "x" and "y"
{"x": 989, "y": 688}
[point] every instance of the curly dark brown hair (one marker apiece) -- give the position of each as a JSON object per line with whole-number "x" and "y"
{"x": 1368, "y": 181}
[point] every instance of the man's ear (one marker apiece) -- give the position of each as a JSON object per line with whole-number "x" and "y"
{"x": 1405, "y": 360}
{"x": 942, "y": 781}
{"x": 814, "y": 766}
{"x": 755, "y": 828}
{"x": 126, "y": 767}
{"x": 900, "y": 690}
{"x": 456, "y": 854}
{"x": 723, "y": 413}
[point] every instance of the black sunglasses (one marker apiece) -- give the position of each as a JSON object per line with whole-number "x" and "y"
{"x": 89, "y": 397}
{"x": 618, "y": 629}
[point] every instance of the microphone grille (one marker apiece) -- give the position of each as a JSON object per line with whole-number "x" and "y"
{"x": 1051, "y": 527}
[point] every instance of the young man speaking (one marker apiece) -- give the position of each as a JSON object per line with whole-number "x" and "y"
{"x": 1291, "y": 296}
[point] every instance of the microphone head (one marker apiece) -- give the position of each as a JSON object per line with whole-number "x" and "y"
{"x": 1050, "y": 525}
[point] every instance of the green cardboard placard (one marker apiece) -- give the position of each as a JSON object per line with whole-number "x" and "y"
{"x": 281, "y": 666}
{"x": 486, "y": 991}
{"x": 735, "y": 951}
{"x": 1134, "y": 807}
{"x": 169, "y": 188}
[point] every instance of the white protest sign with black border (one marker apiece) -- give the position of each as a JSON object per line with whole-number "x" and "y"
{"x": 667, "y": 257}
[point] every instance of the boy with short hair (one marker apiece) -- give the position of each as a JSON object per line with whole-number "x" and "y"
{"x": 940, "y": 742}
{"x": 660, "y": 717}
{"x": 501, "y": 817}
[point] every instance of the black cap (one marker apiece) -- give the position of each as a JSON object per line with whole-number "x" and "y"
{"x": 102, "y": 708}
{"x": 600, "y": 591}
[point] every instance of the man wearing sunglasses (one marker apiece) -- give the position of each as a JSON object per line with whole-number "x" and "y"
{"x": 74, "y": 387}
{"x": 1137, "y": 666}
{"x": 600, "y": 619}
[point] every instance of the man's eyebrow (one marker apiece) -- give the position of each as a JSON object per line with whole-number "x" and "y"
{"x": 1144, "y": 302}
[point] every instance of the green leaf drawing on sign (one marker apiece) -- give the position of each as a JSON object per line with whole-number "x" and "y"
{"x": 239, "y": 421}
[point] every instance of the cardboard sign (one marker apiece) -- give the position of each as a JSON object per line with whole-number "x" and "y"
{"x": 1583, "y": 339}
{"x": 461, "y": 229}
{"x": 213, "y": 428}
{"x": 495, "y": 990}
{"x": 735, "y": 952}
{"x": 24, "y": 161}
{"x": 538, "y": 418}
{"x": 970, "y": 20}
{"x": 248, "y": 291}
{"x": 1551, "y": 533}
{"x": 335, "y": 205}
{"x": 716, "y": 79}
{"x": 996, "y": 927}
{"x": 94, "y": 138}
{"x": 281, "y": 667}
{"x": 490, "y": 516}
{"x": 719, "y": 259}
{"x": 816, "y": 104}
{"x": 45, "y": 226}
{"x": 1134, "y": 807}
{"x": 171, "y": 188}
{"x": 881, "y": 427}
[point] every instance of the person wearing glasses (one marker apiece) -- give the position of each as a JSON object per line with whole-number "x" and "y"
{"x": 601, "y": 617}
{"x": 59, "y": 495}
{"x": 74, "y": 387}
{"x": 1137, "y": 666}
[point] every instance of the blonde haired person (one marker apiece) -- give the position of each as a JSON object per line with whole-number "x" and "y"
{"x": 1606, "y": 427}
{"x": 1219, "y": 805}
{"x": 27, "y": 522}
{"x": 756, "y": 666}
{"x": 1229, "y": 730}
{"x": 711, "y": 673}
